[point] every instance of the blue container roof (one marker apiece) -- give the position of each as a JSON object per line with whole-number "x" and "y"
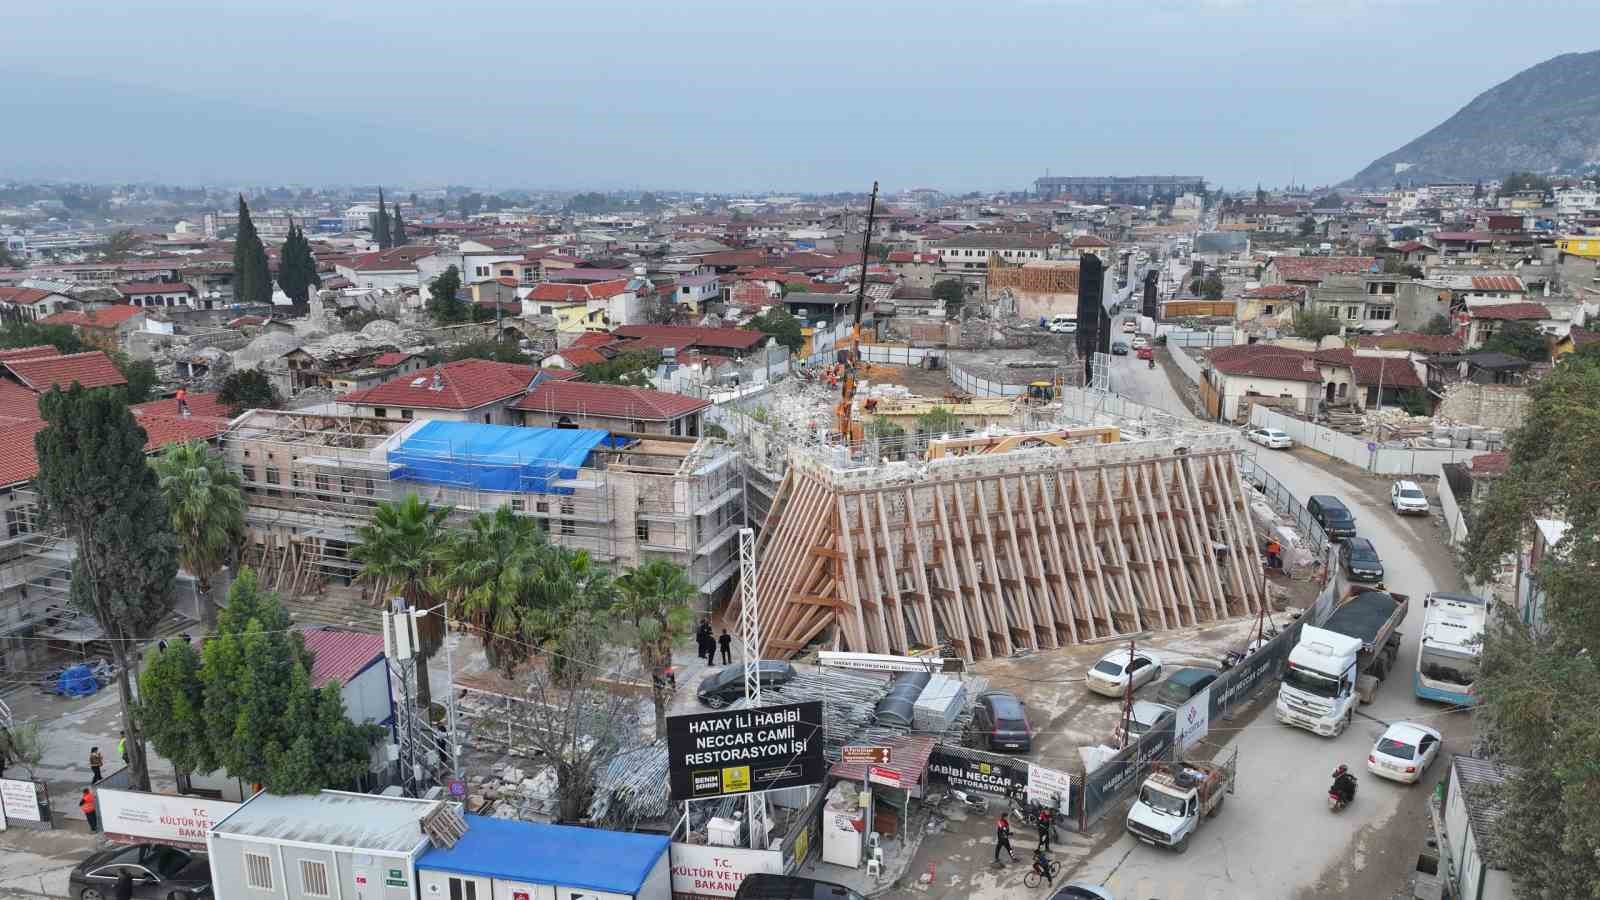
{"x": 495, "y": 457}
{"x": 614, "y": 861}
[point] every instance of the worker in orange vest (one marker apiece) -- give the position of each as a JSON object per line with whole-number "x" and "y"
{"x": 86, "y": 803}
{"x": 1274, "y": 555}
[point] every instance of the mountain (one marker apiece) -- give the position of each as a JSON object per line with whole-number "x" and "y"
{"x": 1544, "y": 119}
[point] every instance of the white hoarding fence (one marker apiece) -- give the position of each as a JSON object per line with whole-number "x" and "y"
{"x": 1049, "y": 787}
{"x": 709, "y": 871}
{"x": 20, "y": 799}
{"x": 131, "y": 817}
{"x": 1193, "y": 721}
{"x": 1357, "y": 451}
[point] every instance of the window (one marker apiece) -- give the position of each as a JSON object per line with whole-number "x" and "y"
{"x": 463, "y": 889}
{"x": 1390, "y": 287}
{"x": 567, "y": 525}
{"x": 541, "y": 507}
{"x": 1352, "y": 312}
{"x": 380, "y": 412}
{"x": 642, "y": 531}
{"x": 313, "y": 878}
{"x": 1267, "y": 309}
{"x": 488, "y": 418}
{"x": 405, "y": 414}
{"x": 519, "y": 505}
{"x": 483, "y": 271}
{"x": 1372, "y": 288}
{"x": 257, "y": 871}
{"x": 249, "y": 473}
{"x": 273, "y": 478}
{"x": 1380, "y": 313}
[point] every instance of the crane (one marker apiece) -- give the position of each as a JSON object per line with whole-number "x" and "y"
{"x": 850, "y": 356}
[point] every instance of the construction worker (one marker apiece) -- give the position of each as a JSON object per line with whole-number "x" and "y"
{"x": 1274, "y": 554}
{"x": 86, "y": 805}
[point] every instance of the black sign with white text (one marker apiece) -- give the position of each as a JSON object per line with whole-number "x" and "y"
{"x": 723, "y": 753}
{"x": 971, "y": 774}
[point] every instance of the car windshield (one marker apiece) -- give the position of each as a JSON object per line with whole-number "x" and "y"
{"x": 164, "y": 861}
{"x": 1336, "y": 515}
{"x": 1173, "y": 693}
{"x": 1411, "y": 493}
{"x": 1161, "y": 802}
{"x": 1397, "y": 749}
{"x": 1364, "y": 554}
{"x": 723, "y": 678}
{"x": 1107, "y": 667}
{"x": 1311, "y": 682}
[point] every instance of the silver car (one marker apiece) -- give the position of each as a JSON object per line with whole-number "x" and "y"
{"x": 1407, "y": 498}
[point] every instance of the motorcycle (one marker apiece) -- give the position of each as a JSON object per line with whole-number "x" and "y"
{"x": 973, "y": 803}
{"x": 1336, "y": 803}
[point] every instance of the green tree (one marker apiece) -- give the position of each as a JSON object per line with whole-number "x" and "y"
{"x": 1521, "y": 340}
{"x": 1439, "y": 325}
{"x": 442, "y": 303}
{"x": 1415, "y": 403}
{"x": 248, "y": 389}
{"x": 950, "y": 291}
{"x": 397, "y": 551}
{"x": 1392, "y": 265}
{"x": 1308, "y": 226}
{"x": 94, "y": 482}
{"x": 632, "y": 369}
{"x": 10, "y": 260}
{"x": 172, "y": 707}
{"x": 1210, "y": 287}
{"x": 654, "y": 598}
{"x": 120, "y": 243}
{"x": 252, "y": 274}
{"x": 22, "y": 333}
{"x": 381, "y": 232}
{"x": 27, "y": 745}
{"x": 485, "y": 569}
{"x": 207, "y": 503}
{"x": 1328, "y": 201}
{"x": 1539, "y": 687}
{"x": 487, "y": 348}
{"x": 939, "y": 421}
{"x": 781, "y": 325}
{"x": 1524, "y": 181}
{"x": 1314, "y": 326}
{"x": 397, "y": 231}
{"x": 890, "y": 436}
{"x": 297, "y": 268}
{"x": 566, "y": 588}
{"x": 140, "y": 374}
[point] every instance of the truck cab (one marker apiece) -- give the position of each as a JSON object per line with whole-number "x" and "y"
{"x": 1319, "y": 684}
{"x": 1174, "y": 799}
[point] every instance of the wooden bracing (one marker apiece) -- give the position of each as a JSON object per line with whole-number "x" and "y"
{"x": 1006, "y": 559}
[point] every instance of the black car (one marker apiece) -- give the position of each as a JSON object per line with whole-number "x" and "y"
{"x": 1183, "y": 684}
{"x": 727, "y": 685}
{"x": 157, "y": 870}
{"x": 761, "y": 886}
{"x": 1360, "y": 559}
{"x": 1119, "y": 348}
{"x": 1332, "y": 515}
{"x": 999, "y": 718}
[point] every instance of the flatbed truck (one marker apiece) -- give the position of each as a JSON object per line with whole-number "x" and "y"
{"x": 1340, "y": 663}
{"x": 1176, "y": 796}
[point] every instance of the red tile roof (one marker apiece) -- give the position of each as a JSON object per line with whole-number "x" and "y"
{"x": 1089, "y": 240}
{"x": 1497, "y": 283}
{"x": 23, "y": 296}
{"x": 689, "y": 336}
{"x": 161, "y": 430}
{"x": 592, "y": 339}
{"x": 17, "y": 402}
{"x": 608, "y": 400}
{"x": 242, "y": 321}
{"x": 1475, "y": 237}
{"x": 466, "y": 384}
{"x": 340, "y": 655}
{"x": 398, "y": 259}
{"x": 199, "y": 405}
{"x": 106, "y": 317}
{"x": 37, "y": 350}
{"x": 820, "y": 261}
{"x": 567, "y": 293}
{"x": 581, "y": 356}
{"x": 1266, "y": 361}
{"x": 1315, "y": 268}
{"x": 392, "y": 358}
{"x": 1276, "y": 292}
{"x": 91, "y": 369}
{"x": 154, "y": 287}
{"x": 1490, "y": 464}
{"x": 1410, "y": 247}
{"x": 17, "y": 460}
{"x": 1412, "y": 340}
{"x": 1373, "y": 370}
{"x": 1510, "y": 311}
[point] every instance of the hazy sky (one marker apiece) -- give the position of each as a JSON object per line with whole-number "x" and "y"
{"x": 799, "y": 96}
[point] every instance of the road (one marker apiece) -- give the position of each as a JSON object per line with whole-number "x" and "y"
{"x": 1276, "y": 837}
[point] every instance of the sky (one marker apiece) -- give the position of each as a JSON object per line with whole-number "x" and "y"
{"x": 746, "y": 96}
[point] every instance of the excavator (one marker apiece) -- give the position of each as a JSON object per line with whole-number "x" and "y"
{"x": 850, "y": 356}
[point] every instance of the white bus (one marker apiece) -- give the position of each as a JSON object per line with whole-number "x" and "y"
{"x": 1447, "y": 655}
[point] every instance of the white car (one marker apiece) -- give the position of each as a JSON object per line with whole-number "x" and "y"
{"x": 1141, "y": 718}
{"x": 1140, "y": 340}
{"x": 1110, "y": 675}
{"x": 1129, "y": 326}
{"x": 1407, "y": 497}
{"x": 1404, "y": 752}
{"x": 1064, "y": 326}
{"x": 1269, "y": 437}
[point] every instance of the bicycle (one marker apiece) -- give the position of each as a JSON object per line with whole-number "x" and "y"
{"x": 1034, "y": 876}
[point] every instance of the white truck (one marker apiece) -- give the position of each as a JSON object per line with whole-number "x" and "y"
{"x": 1342, "y": 660}
{"x": 1176, "y": 796}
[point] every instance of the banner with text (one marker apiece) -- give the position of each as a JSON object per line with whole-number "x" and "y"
{"x": 972, "y": 774}
{"x": 718, "y": 754}
{"x": 1049, "y": 787}
{"x": 133, "y": 817}
{"x": 21, "y": 800}
{"x": 1102, "y": 786}
{"x": 1193, "y": 720}
{"x": 703, "y": 871}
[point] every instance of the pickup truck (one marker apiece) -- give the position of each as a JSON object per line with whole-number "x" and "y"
{"x": 1176, "y": 796}
{"x": 1342, "y": 660}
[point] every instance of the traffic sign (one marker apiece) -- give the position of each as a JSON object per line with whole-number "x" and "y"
{"x": 886, "y": 777}
{"x": 872, "y": 756}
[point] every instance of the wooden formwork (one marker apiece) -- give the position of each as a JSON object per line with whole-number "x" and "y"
{"x": 993, "y": 556}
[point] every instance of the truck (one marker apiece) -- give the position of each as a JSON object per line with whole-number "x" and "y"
{"x": 1341, "y": 661}
{"x": 1176, "y": 796}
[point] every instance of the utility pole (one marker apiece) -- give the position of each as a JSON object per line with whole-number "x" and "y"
{"x": 750, "y": 638}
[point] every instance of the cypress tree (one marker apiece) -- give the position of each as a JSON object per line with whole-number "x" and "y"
{"x": 380, "y": 229}
{"x": 297, "y": 269}
{"x": 252, "y": 274}
{"x": 397, "y": 233}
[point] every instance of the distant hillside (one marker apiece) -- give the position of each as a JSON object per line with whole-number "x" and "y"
{"x": 1544, "y": 119}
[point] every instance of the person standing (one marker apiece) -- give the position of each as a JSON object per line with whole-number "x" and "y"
{"x": 95, "y": 762}
{"x": 726, "y": 643}
{"x": 124, "y": 888}
{"x": 86, "y": 805}
{"x": 1274, "y": 555}
{"x": 1044, "y": 829}
{"x": 1002, "y": 839}
{"x": 122, "y": 746}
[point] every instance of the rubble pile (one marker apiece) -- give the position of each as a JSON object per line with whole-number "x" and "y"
{"x": 512, "y": 792}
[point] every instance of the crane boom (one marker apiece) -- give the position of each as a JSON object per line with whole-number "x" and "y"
{"x": 849, "y": 357}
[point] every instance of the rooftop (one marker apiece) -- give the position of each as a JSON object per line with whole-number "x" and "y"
{"x": 990, "y": 241}
{"x": 608, "y": 401}
{"x": 363, "y": 821}
{"x": 1315, "y": 268}
{"x": 131, "y": 288}
{"x": 106, "y": 317}
{"x": 1482, "y": 782}
{"x": 466, "y": 384}
{"x": 24, "y": 296}
{"x": 742, "y": 339}
{"x": 1510, "y": 311}
{"x": 532, "y": 852}
{"x": 340, "y": 655}
{"x": 1266, "y": 361}
{"x": 91, "y": 369}
{"x": 1411, "y": 340}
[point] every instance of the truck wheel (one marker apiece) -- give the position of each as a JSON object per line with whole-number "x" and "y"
{"x": 1183, "y": 845}
{"x": 1218, "y": 808}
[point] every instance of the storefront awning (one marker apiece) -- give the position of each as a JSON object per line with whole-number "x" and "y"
{"x": 908, "y": 755}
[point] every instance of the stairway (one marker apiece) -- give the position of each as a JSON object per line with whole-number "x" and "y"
{"x": 336, "y": 605}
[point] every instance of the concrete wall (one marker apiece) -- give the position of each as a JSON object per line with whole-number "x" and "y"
{"x": 1187, "y": 364}
{"x": 1500, "y": 406}
{"x": 1353, "y": 450}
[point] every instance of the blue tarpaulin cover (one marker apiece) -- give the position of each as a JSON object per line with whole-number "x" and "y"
{"x": 77, "y": 681}
{"x": 617, "y": 862}
{"x": 494, "y": 457}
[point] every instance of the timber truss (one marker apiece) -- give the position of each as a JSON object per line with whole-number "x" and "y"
{"x": 997, "y": 554}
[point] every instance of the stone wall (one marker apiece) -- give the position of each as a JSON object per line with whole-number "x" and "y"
{"x": 1500, "y": 406}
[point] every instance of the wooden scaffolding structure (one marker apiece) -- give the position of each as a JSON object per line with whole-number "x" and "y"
{"x": 996, "y": 554}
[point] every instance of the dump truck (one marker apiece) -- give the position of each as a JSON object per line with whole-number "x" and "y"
{"x": 1176, "y": 796}
{"x": 1342, "y": 661}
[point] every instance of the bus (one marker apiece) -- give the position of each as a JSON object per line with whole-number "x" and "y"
{"x": 1447, "y": 655}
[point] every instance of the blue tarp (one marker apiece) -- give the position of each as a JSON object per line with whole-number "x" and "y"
{"x": 494, "y": 457}
{"x": 534, "y": 853}
{"x": 77, "y": 681}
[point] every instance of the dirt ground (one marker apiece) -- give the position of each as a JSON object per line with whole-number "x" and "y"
{"x": 922, "y": 382}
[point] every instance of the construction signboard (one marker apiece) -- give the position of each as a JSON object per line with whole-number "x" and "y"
{"x": 725, "y": 753}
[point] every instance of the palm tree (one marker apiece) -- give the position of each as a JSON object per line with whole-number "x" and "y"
{"x": 655, "y": 598}
{"x": 207, "y": 503}
{"x": 489, "y": 566}
{"x": 565, "y": 588}
{"x": 400, "y": 547}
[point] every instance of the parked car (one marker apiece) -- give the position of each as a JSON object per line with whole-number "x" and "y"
{"x": 1331, "y": 513}
{"x": 999, "y": 718}
{"x": 1081, "y": 890}
{"x": 762, "y": 886}
{"x": 1140, "y": 342}
{"x": 1270, "y": 437}
{"x": 1130, "y": 325}
{"x": 1183, "y": 684}
{"x": 727, "y": 685}
{"x": 1145, "y": 353}
{"x": 1110, "y": 676}
{"x": 1119, "y": 348}
{"x": 1404, "y": 752}
{"x": 1064, "y": 324}
{"x": 1141, "y": 718}
{"x": 157, "y": 870}
{"x": 1407, "y": 497}
{"x": 1360, "y": 560}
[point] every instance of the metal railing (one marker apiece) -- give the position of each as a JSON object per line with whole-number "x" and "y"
{"x": 1284, "y": 501}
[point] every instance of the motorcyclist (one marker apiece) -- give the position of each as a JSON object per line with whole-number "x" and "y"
{"x": 1344, "y": 785}
{"x": 1152, "y": 362}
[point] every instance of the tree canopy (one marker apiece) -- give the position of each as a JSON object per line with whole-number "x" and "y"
{"x": 297, "y": 268}
{"x": 1524, "y": 181}
{"x": 248, "y": 389}
{"x": 22, "y": 333}
{"x": 1314, "y": 326}
{"x": 442, "y": 303}
{"x": 381, "y": 232}
{"x": 1439, "y": 325}
{"x": 252, "y": 273}
{"x": 398, "y": 552}
{"x": 950, "y": 291}
{"x": 632, "y": 368}
{"x": 206, "y": 499}
{"x": 781, "y": 325}
{"x": 487, "y": 348}
{"x": 1521, "y": 340}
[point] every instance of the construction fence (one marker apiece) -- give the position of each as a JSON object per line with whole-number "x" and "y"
{"x": 1284, "y": 502}
{"x": 1363, "y": 454}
